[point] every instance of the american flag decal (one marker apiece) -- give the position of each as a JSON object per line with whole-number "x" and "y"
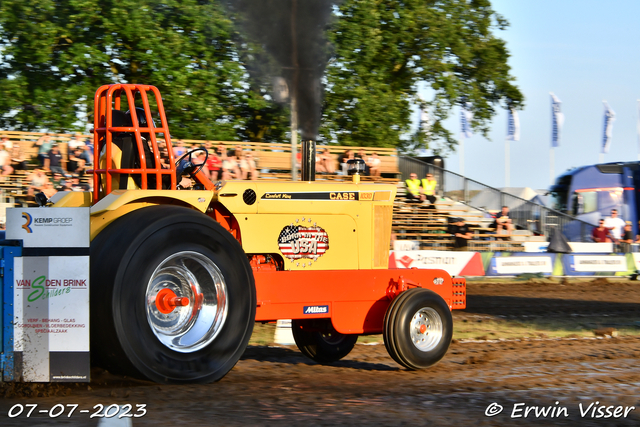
{"x": 297, "y": 242}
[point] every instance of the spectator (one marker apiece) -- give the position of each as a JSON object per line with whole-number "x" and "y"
{"x": 429, "y": 185}
{"x": 222, "y": 151}
{"x": 600, "y": 234}
{"x": 374, "y": 164}
{"x": 503, "y": 222}
{"x": 343, "y": 159}
{"x": 237, "y": 151}
{"x": 77, "y": 185}
{"x": 615, "y": 224}
{"x": 462, "y": 235}
{"x": 37, "y": 179}
{"x": 179, "y": 149}
{"x": 627, "y": 238}
{"x": 88, "y": 150}
{"x": 61, "y": 184}
{"x": 49, "y": 190}
{"x": 5, "y": 159}
{"x": 414, "y": 194}
{"x": 214, "y": 164}
{"x": 76, "y": 142}
{"x": 44, "y": 145}
{"x": 248, "y": 166}
{"x": 76, "y": 163}
{"x": 54, "y": 160}
{"x": 361, "y": 155}
{"x": 230, "y": 169}
{"x": 64, "y": 185}
{"x": 57, "y": 179}
{"x": 200, "y": 157}
{"x": 18, "y": 159}
{"x": 86, "y": 155}
{"x": 325, "y": 163}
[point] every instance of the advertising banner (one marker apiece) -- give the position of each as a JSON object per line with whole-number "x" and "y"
{"x": 50, "y": 294}
{"x": 576, "y": 247}
{"x": 454, "y": 263}
{"x": 42, "y": 227}
{"x": 514, "y": 265}
{"x": 597, "y": 263}
{"x": 51, "y": 310}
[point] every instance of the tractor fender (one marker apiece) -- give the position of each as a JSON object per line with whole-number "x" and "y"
{"x": 121, "y": 202}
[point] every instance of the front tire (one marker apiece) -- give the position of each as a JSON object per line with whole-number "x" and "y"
{"x": 418, "y": 328}
{"x": 155, "y": 255}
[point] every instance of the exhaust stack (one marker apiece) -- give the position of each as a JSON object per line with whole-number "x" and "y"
{"x": 308, "y": 163}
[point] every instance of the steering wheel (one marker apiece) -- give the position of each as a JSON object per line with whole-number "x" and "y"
{"x": 188, "y": 167}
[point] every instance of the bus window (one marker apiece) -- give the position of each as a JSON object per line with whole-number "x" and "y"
{"x": 584, "y": 202}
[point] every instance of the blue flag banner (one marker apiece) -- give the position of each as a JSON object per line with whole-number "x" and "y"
{"x": 609, "y": 118}
{"x": 465, "y": 121}
{"x": 557, "y": 119}
{"x": 513, "y": 126}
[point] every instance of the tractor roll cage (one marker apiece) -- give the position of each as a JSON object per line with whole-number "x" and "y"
{"x": 106, "y": 101}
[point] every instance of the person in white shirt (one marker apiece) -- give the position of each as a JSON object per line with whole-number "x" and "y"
{"x": 615, "y": 224}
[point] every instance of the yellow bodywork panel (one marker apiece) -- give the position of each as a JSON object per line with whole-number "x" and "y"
{"x": 314, "y": 225}
{"x": 121, "y": 202}
{"x": 72, "y": 199}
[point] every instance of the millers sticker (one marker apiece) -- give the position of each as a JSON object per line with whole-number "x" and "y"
{"x": 298, "y": 240}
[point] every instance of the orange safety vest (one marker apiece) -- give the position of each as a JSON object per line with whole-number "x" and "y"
{"x": 413, "y": 185}
{"x": 429, "y": 186}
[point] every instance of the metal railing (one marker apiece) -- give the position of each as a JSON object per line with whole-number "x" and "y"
{"x": 524, "y": 214}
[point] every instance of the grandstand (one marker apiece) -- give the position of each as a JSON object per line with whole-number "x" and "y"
{"x": 428, "y": 227}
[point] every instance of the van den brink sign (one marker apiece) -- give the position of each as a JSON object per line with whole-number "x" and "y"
{"x": 51, "y": 294}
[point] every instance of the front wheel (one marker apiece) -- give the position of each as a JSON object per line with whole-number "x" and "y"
{"x": 418, "y": 328}
{"x": 172, "y": 296}
{"x": 319, "y": 341}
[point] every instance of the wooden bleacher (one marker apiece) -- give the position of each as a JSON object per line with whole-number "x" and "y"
{"x": 274, "y": 157}
{"x": 410, "y": 222}
{"x": 429, "y": 227}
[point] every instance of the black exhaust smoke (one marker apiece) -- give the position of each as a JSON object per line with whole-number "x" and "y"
{"x": 292, "y": 33}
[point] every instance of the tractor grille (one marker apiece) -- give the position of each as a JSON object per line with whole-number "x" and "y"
{"x": 381, "y": 235}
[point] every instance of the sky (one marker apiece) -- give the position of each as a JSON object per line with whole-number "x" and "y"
{"x": 585, "y": 52}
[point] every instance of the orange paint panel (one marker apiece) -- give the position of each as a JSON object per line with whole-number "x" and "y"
{"x": 356, "y": 299}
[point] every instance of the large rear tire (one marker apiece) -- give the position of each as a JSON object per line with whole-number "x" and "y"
{"x": 150, "y": 257}
{"x": 418, "y": 328}
{"x": 319, "y": 341}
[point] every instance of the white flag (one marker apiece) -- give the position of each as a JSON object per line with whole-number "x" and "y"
{"x": 513, "y": 126}
{"x": 609, "y": 118}
{"x": 465, "y": 121}
{"x": 557, "y": 119}
{"x": 424, "y": 121}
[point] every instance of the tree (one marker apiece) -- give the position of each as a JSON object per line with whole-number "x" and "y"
{"x": 56, "y": 53}
{"x": 384, "y": 49}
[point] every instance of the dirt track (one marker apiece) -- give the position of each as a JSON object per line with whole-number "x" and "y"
{"x": 278, "y": 386}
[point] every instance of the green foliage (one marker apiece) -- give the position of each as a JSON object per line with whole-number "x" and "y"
{"x": 56, "y": 53}
{"x": 385, "y": 48}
